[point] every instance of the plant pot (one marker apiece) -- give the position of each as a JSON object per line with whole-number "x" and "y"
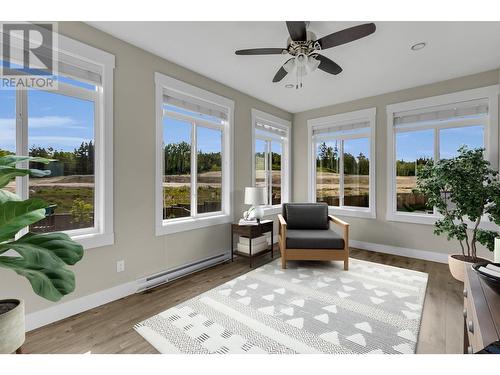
{"x": 457, "y": 264}
{"x": 12, "y": 329}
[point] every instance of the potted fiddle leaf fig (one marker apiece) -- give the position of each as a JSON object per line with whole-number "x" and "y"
{"x": 465, "y": 190}
{"x": 40, "y": 258}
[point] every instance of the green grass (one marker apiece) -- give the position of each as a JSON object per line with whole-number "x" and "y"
{"x": 181, "y": 195}
{"x": 63, "y": 197}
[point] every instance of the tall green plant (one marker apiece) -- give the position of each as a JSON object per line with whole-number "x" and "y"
{"x": 41, "y": 258}
{"x": 463, "y": 188}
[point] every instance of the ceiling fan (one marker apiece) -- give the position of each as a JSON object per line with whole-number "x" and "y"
{"x": 304, "y": 47}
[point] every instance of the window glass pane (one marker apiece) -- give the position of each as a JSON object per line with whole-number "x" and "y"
{"x": 8, "y": 128}
{"x": 260, "y": 163}
{"x": 413, "y": 149}
{"x": 61, "y": 127}
{"x": 356, "y": 172}
{"x": 327, "y": 172}
{"x": 177, "y": 174}
{"x": 209, "y": 174}
{"x": 450, "y": 140}
{"x": 276, "y": 153}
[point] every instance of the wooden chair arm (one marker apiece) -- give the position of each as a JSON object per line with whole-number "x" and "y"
{"x": 281, "y": 220}
{"x": 336, "y": 220}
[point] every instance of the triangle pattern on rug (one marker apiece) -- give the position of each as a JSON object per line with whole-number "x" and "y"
{"x": 342, "y": 294}
{"x": 288, "y": 311}
{"x": 279, "y": 290}
{"x": 407, "y": 334}
{"x": 332, "y": 337}
{"x": 269, "y": 297}
{"x": 278, "y": 272}
{"x": 296, "y": 281}
{"x": 317, "y": 273}
{"x": 331, "y": 308}
{"x": 376, "y": 300}
{"x": 225, "y": 292}
{"x": 403, "y": 348}
{"x": 322, "y": 318}
{"x": 253, "y": 286}
{"x": 357, "y": 338}
{"x": 413, "y": 306}
{"x": 244, "y": 301}
{"x": 241, "y": 292}
{"x": 410, "y": 314}
{"x": 369, "y": 286}
{"x": 303, "y": 276}
{"x": 400, "y": 294}
{"x": 345, "y": 280}
{"x": 321, "y": 284}
{"x": 297, "y": 322}
{"x": 298, "y": 302}
{"x": 328, "y": 279}
{"x": 364, "y": 326}
{"x": 348, "y": 288}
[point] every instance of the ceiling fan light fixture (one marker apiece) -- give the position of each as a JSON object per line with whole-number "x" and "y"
{"x": 312, "y": 64}
{"x": 289, "y": 65}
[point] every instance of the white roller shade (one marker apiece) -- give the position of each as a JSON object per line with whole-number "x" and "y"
{"x": 351, "y": 128}
{"x": 195, "y": 105}
{"x": 67, "y": 65}
{"x": 475, "y": 109}
{"x": 271, "y": 129}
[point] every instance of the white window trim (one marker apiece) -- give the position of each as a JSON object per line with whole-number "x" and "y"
{"x": 102, "y": 233}
{"x": 264, "y": 117}
{"x": 490, "y": 135}
{"x": 368, "y": 114}
{"x": 165, "y": 84}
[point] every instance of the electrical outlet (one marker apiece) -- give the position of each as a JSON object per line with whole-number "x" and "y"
{"x": 120, "y": 266}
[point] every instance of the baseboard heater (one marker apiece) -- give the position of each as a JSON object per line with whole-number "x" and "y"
{"x": 175, "y": 273}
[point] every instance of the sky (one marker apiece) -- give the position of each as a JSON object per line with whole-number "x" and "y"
{"x": 53, "y": 120}
{"x": 64, "y": 123}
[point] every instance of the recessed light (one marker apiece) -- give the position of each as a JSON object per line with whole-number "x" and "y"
{"x": 289, "y": 85}
{"x": 418, "y": 46}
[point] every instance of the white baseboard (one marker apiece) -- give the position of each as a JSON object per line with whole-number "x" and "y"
{"x": 402, "y": 251}
{"x": 66, "y": 309}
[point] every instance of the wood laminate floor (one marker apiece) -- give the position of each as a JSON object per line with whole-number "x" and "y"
{"x": 108, "y": 328}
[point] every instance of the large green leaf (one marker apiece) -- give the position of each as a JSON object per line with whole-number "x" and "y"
{"x": 12, "y": 160}
{"x": 49, "y": 283}
{"x": 15, "y": 215}
{"x": 6, "y": 196}
{"x": 59, "y": 244}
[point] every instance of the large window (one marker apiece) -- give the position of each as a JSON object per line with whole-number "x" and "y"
{"x": 271, "y": 157}
{"x": 431, "y": 129}
{"x": 342, "y": 162}
{"x": 194, "y": 151}
{"x": 73, "y": 125}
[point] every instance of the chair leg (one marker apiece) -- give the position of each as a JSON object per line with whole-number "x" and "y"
{"x": 283, "y": 262}
{"x": 346, "y": 264}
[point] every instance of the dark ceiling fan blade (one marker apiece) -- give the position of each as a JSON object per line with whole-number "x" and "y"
{"x": 261, "y": 51}
{"x": 327, "y": 65}
{"x": 297, "y": 30}
{"x": 346, "y": 36}
{"x": 281, "y": 73}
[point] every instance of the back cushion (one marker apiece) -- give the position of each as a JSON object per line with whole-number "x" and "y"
{"x": 306, "y": 215}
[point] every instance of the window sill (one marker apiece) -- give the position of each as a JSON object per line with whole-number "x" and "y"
{"x": 431, "y": 220}
{"x": 273, "y": 210}
{"x": 366, "y": 213}
{"x": 185, "y": 224}
{"x": 93, "y": 240}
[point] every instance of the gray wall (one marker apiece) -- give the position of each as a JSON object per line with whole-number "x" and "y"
{"x": 134, "y": 176}
{"x": 380, "y": 231}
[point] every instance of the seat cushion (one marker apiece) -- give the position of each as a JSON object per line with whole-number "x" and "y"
{"x": 313, "y": 239}
{"x": 306, "y": 215}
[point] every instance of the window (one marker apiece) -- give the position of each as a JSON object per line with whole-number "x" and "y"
{"x": 342, "y": 162}
{"x": 271, "y": 166}
{"x": 431, "y": 129}
{"x": 72, "y": 125}
{"x": 193, "y": 157}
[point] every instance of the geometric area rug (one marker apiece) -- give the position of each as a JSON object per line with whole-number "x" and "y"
{"x": 311, "y": 307}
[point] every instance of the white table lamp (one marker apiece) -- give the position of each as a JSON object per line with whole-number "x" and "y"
{"x": 256, "y": 197}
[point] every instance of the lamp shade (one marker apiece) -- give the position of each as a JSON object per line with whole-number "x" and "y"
{"x": 255, "y": 196}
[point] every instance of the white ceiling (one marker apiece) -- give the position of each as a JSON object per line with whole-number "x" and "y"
{"x": 379, "y": 63}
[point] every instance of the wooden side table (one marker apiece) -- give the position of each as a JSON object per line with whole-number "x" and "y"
{"x": 252, "y": 231}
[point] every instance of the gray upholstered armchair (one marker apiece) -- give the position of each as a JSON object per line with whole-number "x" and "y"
{"x": 305, "y": 234}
